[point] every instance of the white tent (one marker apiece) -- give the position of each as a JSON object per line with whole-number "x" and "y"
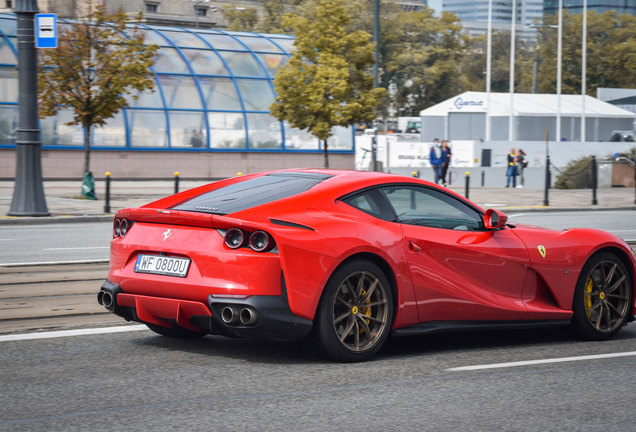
{"x": 464, "y": 117}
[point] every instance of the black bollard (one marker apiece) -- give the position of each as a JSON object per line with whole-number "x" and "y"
{"x": 483, "y": 178}
{"x": 467, "y": 183}
{"x": 546, "y": 201}
{"x": 594, "y": 180}
{"x": 634, "y": 182}
{"x": 416, "y": 174}
{"x": 176, "y": 182}
{"x": 107, "y": 203}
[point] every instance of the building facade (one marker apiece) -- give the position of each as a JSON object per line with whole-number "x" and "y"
{"x": 551, "y": 7}
{"x": 474, "y": 16}
{"x": 209, "y": 111}
{"x": 180, "y": 13}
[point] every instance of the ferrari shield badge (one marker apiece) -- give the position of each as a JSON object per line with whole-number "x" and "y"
{"x": 541, "y": 250}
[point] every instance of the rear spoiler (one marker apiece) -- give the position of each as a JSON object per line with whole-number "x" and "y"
{"x": 164, "y": 216}
{"x": 182, "y": 217}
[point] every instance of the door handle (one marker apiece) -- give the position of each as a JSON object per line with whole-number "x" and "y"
{"x": 413, "y": 247}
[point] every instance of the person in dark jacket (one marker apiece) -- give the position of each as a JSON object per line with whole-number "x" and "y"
{"x": 512, "y": 168}
{"x": 522, "y": 163}
{"x": 446, "y": 162}
{"x": 436, "y": 157}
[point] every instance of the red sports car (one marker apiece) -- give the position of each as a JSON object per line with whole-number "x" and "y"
{"x": 343, "y": 258}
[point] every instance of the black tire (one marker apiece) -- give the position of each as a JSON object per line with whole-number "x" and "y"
{"x": 346, "y": 329}
{"x": 175, "y": 332}
{"x": 602, "y": 299}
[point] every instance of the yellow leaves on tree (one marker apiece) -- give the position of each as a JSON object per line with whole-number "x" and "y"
{"x": 99, "y": 61}
{"x": 327, "y": 82}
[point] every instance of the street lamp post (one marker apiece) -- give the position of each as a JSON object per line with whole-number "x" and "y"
{"x": 511, "y": 127}
{"x": 559, "y": 49}
{"x": 28, "y": 192}
{"x": 583, "y": 70}
{"x": 488, "y": 66}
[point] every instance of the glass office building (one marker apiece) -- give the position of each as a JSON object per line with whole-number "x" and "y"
{"x": 551, "y": 7}
{"x": 212, "y": 93}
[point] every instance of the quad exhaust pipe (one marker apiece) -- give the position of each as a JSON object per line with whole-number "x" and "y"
{"x": 248, "y": 316}
{"x": 106, "y": 299}
{"x": 234, "y": 316}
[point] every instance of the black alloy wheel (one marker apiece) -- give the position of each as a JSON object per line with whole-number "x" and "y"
{"x": 355, "y": 314}
{"x": 603, "y": 298}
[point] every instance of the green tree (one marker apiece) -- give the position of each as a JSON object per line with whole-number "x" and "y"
{"x": 326, "y": 82}
{"x": 611, "y": 52}
{"x": 94, "y": 67}
{"x": 419, "y": 53}
{"x": 473, "y": 65}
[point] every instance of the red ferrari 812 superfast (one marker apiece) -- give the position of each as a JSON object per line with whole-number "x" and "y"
{"x": 340, "y": 259}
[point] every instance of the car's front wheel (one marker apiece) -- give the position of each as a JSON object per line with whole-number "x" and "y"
{"x": 603, "y": 298}
{"x": 355, "y": 313}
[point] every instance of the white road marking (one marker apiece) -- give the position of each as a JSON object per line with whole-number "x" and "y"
{"x": 544, "y": 361}
{"x": 518, "y": 214}
{"x": 77, "y": 248}
{"x": 68, "y": 333}
{"x": 45, "y": 263}
{"x": 7, "y": 239}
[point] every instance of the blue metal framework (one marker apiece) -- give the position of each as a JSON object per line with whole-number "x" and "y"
{"x": 245, "y": 58}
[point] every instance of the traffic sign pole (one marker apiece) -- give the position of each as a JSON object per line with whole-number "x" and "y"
{"x": 28, "y": 192}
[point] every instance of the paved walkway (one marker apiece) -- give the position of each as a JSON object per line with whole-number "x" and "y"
{"x": 62, "y": 202}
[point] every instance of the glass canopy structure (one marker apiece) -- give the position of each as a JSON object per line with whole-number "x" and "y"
{"x": 212, "y": 92}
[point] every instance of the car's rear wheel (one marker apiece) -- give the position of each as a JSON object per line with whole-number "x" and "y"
{"x": 603, "y": 298}
{"x": 355, "y": 313}
{"x": 173, "y": 332}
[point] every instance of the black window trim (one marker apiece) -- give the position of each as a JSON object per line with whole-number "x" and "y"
{"x": 385, "y": 201}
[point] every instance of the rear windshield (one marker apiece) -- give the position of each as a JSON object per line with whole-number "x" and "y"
{"x": 252, "y": 193}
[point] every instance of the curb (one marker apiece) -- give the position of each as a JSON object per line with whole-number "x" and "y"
{"x": 45, "y": 220}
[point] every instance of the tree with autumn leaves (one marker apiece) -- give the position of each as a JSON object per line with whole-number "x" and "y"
{"x": 98, "y": 62}
{"x": 327, "y": 81}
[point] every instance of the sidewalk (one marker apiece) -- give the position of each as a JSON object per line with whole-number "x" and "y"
{"x": 63, "y": 207}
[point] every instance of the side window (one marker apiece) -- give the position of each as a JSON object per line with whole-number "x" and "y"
{"x": 428, "y": 207}
{"x": 371, "y": 202}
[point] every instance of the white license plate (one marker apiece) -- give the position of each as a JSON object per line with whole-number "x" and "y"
{"x": 169, "y": 266}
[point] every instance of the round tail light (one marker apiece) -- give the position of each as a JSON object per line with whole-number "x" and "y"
{"x": 117, "y": 230}
{"x": 260, "y": 241}
{"x": 124, "y": 227}
{"x": 234, "y": 238}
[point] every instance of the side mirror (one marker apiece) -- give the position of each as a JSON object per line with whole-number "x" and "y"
{"x": 494, "y": 219}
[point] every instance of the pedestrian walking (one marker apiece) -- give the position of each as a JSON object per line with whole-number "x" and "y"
{"x": 435, "y": 157}
{"x": 522, "y": 163}
{"x": 446, "y": 160}
{"x": 512, "y": 168}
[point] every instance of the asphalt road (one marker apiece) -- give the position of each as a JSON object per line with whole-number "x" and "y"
{"x": 47, "y": 243}
{"x": 140, "y": 381}
{"x": 89, "y": 241}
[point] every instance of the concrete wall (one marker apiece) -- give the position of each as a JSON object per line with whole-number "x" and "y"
{"x": 68, "y": 164}
{"x": 467, "y": 153}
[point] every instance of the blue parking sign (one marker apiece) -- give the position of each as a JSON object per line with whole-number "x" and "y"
{"x": 45, "y": 31}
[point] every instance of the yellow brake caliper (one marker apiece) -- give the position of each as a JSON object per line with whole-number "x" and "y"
{"x": 587, "y": 299}
{"x": 366, "y": 311}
